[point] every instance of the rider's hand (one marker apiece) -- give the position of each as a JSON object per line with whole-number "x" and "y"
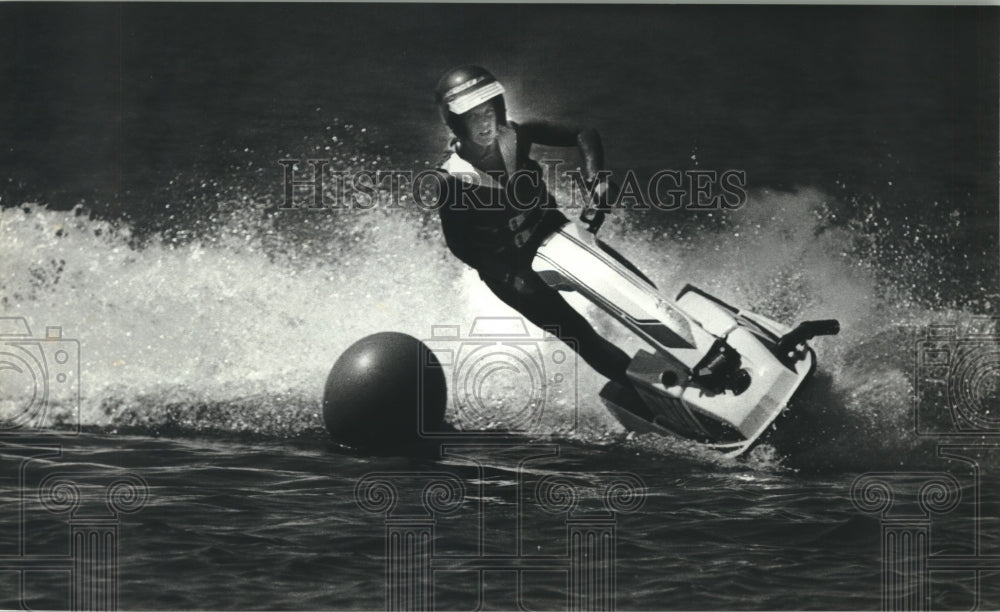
{"x": 601, "y": 197}
{"x": 593, "y": 216}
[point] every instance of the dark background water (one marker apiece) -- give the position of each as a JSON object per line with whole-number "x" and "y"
{"x": 207, "y": 320}
{"x": 105, "y": 97}
{"x": 129, "y": 107}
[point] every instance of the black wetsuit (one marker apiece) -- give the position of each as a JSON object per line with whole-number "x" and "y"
{"x": 499, "y": 238}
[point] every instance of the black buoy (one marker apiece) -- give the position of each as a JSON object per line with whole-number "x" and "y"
{"x": 379, "y": 391}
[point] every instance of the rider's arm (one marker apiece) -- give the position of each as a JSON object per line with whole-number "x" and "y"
{"x": 592, "y": 151}
{"x": 561, "y": 135}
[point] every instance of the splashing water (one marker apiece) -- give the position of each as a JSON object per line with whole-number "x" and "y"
{"x": 233, "y": 328}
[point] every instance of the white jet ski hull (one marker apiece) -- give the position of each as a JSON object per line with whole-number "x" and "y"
{"x": 727, "y": 416}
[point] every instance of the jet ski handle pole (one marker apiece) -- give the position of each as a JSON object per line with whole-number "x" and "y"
{"x": 593, "y": 214}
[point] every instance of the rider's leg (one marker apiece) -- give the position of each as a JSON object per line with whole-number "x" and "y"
{"x": 527, "y": 293}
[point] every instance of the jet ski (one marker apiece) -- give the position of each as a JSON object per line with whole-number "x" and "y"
{"x": 714, "y": 374}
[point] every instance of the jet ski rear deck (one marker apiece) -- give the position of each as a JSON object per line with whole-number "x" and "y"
{"x": 716, "y": 374}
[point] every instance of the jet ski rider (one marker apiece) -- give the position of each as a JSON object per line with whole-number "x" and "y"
{"x": 489, "y": 165}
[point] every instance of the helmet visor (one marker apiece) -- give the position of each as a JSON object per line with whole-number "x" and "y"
{"x": 471, "y": 94}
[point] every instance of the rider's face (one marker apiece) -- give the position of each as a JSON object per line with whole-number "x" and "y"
{"x": 481, "y": 124}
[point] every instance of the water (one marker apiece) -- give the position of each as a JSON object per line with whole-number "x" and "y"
{"x": 141, "y": 216}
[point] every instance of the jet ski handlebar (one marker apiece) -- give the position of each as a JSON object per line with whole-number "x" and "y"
{"x": 803, "y": 332}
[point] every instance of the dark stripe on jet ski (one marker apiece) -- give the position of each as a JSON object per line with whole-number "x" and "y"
{"x": 692, "y": 289}
{"x": 660, "y": 332}
{"x": 624, "y": 261}
{"x": 647, "y": 288}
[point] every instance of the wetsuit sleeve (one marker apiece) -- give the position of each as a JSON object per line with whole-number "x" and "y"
{"x": 562, "y": 135}
{"x": 549, "y": 133}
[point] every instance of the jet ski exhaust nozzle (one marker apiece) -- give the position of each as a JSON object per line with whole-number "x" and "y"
{"x": 786, "y": 348}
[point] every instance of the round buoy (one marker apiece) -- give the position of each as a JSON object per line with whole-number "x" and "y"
{"x": 383, "y": 391}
